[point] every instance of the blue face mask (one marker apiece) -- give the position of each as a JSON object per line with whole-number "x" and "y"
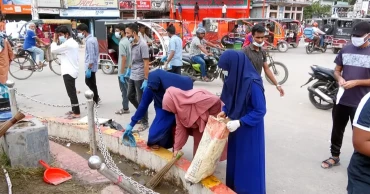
{"x": 62, "y": 39}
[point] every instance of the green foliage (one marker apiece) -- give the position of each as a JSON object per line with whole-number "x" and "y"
{"x": 316, "y": 9}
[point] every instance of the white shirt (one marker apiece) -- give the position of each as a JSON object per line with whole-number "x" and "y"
{"x": 145, "y": 38}
{"x": 68, "y": 55}
{"x": 224, "y": 7}
{"x": 317, "y": 30}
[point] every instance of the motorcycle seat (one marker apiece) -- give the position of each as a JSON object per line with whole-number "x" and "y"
{"x": 326, "y": 70}
{"x": 187, "y": 58}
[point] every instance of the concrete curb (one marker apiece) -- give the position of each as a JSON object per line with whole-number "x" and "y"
{"x": 141, "y": 155}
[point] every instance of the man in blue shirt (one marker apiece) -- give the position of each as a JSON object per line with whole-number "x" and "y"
{"x": 91, "y": 59}
{"x": 30, "y": 44}
{"x": 174, "y": 52}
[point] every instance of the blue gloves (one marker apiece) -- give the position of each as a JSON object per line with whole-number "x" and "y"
{"x": 127, "y": 138}
{"x": 164, "y": 59}
{"x": 88, "y": 73}
{"x": 144, "y": 85}
{"x": 128, "y": 72}
{"x": 122, "y": 78}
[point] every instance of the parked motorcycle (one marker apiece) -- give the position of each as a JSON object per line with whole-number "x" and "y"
{"x": 322, "y": 94}
{"x": 192, "y": 69}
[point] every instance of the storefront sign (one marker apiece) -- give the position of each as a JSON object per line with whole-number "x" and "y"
{"x": 48, "y": 11}
{"x": 49, "y": 3}
{"x": 212, "y": 2}
{"x": 92, "y": 4}
{"x": 89, "y": 13}
{"x": 128, "y": 5}
{"x": 16, "y": 6}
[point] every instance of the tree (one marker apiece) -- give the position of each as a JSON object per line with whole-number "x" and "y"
{"x": 316, "y": 9}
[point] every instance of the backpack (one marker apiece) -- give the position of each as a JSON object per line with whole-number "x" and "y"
{"x": 308, "y": 32}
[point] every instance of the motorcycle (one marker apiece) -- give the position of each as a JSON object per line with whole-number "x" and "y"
{"x": 310, "y": 46}
{"x": 192, "y": 69}
{"x": 325, "y": 89}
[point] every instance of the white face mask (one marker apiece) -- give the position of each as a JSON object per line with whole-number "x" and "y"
{"x": 117, "y": 34}
{"x": 358, "y": 41}
{"x": 258, "y": 45}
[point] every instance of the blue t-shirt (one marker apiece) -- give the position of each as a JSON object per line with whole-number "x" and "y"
{"x": 29, "y": 40}
{"x": 176, "y": 45}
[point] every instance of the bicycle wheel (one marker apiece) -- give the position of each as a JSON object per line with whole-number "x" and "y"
{"x": 280, "y": 72}
{"x": 21, "y": 67}
{"x": 55, "y": 66}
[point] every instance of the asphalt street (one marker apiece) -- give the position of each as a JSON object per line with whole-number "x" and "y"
{"x": 297, "y": 134}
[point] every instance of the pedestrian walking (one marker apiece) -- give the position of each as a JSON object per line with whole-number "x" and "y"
{"x": 179, "y": 10}
{"x": 124, "y": 62}
{"x": 257, "y": 55}
{"x": 196, "y": 11}
{"x": 139, "y": 69}
{"x": 68, "y": 55}
{"x": 224, "y": 9}
{"x": 174, "y": 59}
{"x": 91, "y": 60}
{"x": 245, "y": 105}
{"x": 352, "y": 71}
{"x": 359, "y": 166}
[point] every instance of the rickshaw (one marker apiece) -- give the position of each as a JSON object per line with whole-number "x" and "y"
{"x": 292, "y": 30}
{"x": 278, "y": 39}
{"x": 108, "y": 57}
{"x": 235, "y": 38}
{"x": 342, "y": 33}
{"x": 217, "y": 28}
{"x": 24, "y": 60}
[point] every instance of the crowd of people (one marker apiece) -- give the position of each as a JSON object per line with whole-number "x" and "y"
{"x": 182, "y": 111}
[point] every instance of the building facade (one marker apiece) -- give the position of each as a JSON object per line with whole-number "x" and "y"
{"x": 16, "y": 10}
{"x": 48, "y": 9}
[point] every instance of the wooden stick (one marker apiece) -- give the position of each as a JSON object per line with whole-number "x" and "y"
{"x": 4, "y": 127}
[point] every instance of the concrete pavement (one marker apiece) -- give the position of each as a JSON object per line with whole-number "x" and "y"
{"x": 297, "y": 134}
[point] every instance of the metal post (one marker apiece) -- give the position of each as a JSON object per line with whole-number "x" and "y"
{"x": 13, "y": 100}
{"x": 96, "y": 163}
{"x": 34, "y": 10}
{"x": 135, "y": 9}
{"x": 91, "y": 121}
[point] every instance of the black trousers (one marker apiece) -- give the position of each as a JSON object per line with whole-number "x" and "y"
{"x": 134, "y": 94}
{"x": 91, "y": 83}
{"x": 340, "y": 114}
{"x": 176, "y": 69}
{"x": 70, "y": 84}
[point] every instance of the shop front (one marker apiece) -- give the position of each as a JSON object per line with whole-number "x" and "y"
{"x": 16, "y": 10}
{"x": 48, "y": 9}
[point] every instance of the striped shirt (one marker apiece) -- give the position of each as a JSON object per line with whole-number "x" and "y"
{"x": 91, "y": 53}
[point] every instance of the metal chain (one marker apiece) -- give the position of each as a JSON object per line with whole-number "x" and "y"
{"x": 110, "y": 163}
{"x": 47, "y": 104}
{"x": 50, "y": 121}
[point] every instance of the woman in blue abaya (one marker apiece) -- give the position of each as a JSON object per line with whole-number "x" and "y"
{"x": 245, "y": 106}
{"x": 160, "y": 132}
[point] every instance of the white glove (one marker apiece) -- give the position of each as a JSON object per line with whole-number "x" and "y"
{"x": 233, "y": 125}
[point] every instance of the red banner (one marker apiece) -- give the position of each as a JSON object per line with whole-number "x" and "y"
{"x": 128, "y": 5}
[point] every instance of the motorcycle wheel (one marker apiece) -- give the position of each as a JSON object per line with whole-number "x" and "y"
{"x": 295, "y": 45}
{"x": 277, "y": 72}
{"x": 283, "y": 47}
{"x": 318, "y": 102}
{"x": 223, "y": 40}
{"x": 189, "y": 71}
{"x": 187, "y": 47}
{"x": 309, "y": 49}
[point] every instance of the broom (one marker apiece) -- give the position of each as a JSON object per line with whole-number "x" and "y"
{"x": 152, "y": 183}
{"x": 4, "y": 127}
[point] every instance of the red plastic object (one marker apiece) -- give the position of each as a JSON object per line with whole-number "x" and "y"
{"x": 54, "y": 176}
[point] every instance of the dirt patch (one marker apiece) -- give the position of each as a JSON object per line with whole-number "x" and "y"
{"x": 30, "y": 181}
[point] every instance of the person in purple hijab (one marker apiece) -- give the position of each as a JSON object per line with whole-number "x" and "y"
{"x": 245, "y": 105}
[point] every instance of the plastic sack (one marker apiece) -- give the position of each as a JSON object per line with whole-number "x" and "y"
{"x": 209, "y": 150}
{"x": 128, "y": 139}
{"x": 308, "y": 32}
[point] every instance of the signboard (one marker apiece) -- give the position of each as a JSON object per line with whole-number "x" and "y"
{"x": 92, "y": 4}
{"x": 16, "y": 6}
{"x": 212, "y": 2}
{"x": 49, "y": 3}
{"x": 128, "y": 5}
{"x": 89, "y": 13}
{"x": 48, "y": 10}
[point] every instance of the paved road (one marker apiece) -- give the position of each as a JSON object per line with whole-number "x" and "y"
{"x": 297, "y": 134}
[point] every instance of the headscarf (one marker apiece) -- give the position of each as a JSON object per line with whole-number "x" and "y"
{"x": 191, "y": 106}
{"x": 237, "y": 86}
{"x": 159, "y": 80}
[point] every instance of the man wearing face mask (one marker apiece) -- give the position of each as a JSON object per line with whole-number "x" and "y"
{"x": 352, "y": 71}
{"x": 30, "y": 44}
{"x": 139, "y": 68}
{"x": 257, "y": 55}
{"x": 68, "y": 55}
{"x": 91, "y": 60}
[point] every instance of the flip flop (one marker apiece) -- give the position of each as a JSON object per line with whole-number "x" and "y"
{"x": 73, "y": 116}
{"x": 69, "y": 113}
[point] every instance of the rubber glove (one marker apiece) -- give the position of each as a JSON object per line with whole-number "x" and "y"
{"x": 164, "y": 59}
{"x": 128, "y": 72}
{"x": 122, "y": 78}
{"x": 127, "y": 138}
{"x": 233, "y": 125}
{"x": 88, "y": 73}
{"x": 144, "y": 85}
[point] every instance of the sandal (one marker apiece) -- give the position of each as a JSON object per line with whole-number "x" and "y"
{"x": 68, "y": 113}
{"x": 206, "y": 79}
{"x": 329, "y": 163}
{"x": 73, "y": 116}
{"x": 154, "y": 147}
{"x": 122, "y": 111}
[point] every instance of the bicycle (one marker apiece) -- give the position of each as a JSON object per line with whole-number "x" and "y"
{"x": 25, "y": 63}
{"x": 272, "y": 65}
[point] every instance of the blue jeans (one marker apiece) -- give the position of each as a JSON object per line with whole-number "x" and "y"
{"x": 200, "y": 60}
{"x": 322, "y": 37}
{"x": 123, "y": 87}
{"x": 37, "y": 51}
